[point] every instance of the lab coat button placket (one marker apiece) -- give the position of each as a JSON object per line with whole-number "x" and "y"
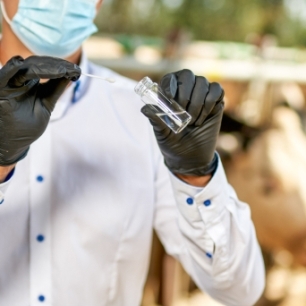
{"x": 1, "y": 198}
{"x": 40, "y": 195}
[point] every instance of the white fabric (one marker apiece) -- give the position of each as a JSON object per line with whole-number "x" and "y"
{"x": 94, "y": 186}
{"x": 64, "y": 102}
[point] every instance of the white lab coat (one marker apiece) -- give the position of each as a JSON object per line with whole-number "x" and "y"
{"x": 77, "y": 217}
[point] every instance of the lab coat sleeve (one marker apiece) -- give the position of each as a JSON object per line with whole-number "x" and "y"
{"x": 210, "y": 231}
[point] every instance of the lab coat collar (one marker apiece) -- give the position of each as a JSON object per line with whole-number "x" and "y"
{"x": 72, "y": 93}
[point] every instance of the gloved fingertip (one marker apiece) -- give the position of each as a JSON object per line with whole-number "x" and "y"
{"x": 168, "y": 84}
{"x": 173, "y": 86}
{"x": 144, "y": 112}
{"x": 217, "y": 90}
{"x": 18, "y": 59}
{"x": 74, "y": 78}
{"x": 148, "y": 112}
{"x": 74, "y": 73}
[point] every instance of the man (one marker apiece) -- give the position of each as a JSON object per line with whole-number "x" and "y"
{"x": 79, "y": 206}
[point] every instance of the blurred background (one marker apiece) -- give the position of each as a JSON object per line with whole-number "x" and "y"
{"x": 256, "y": 50}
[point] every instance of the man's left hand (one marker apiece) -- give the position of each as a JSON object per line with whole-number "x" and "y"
{"x": 192, "y": 151}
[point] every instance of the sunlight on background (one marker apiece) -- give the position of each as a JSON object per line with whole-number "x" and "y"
{"x": 297, "y": 10}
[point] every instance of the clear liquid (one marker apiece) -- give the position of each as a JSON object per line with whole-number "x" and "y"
{"x": 175, "y": 121}
{"x": 168, "y": 110}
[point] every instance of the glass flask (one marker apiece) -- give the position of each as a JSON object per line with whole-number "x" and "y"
{"x": 168, "y": 110}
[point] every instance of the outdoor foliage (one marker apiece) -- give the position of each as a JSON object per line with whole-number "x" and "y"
{"x": 205, "y": 19}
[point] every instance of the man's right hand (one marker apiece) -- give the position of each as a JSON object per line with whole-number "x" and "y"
{"x": 26, "y": 104}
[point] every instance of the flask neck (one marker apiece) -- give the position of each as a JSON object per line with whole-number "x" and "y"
{"x": 144, "y": 85}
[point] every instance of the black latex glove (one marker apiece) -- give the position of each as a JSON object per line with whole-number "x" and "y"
{"x": 25, "y": 104}
{"x": 191, "y": 151}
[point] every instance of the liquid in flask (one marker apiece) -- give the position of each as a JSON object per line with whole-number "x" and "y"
{"x": 168, "y": 110}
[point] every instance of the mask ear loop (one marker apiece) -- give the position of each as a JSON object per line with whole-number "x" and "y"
{"x": 4, "y": 13}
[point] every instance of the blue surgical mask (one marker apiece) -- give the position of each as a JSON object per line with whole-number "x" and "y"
{"x": 53, "y": 27}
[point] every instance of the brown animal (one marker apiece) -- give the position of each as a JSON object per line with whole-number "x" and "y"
{"x": 270, "y": 175}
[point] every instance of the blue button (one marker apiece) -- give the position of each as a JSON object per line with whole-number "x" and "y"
{"x": 40, "y": 238}
{"x": 39, "y": 178}
{"x": 189, "y": 201}
{"x": 41, "y": 298}
{"x": 208, "y": 255}
{"x": 1, "y": 202}
{"x": 207, "y": 202}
